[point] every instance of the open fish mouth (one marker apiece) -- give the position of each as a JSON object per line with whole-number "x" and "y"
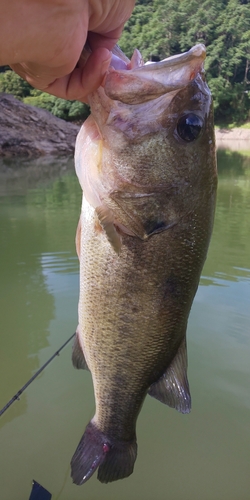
{"x": 137, "y": 82}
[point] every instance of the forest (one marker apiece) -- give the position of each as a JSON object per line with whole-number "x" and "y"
{"x": 166, "y": 27}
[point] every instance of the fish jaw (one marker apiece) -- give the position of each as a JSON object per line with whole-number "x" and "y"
{"x": 134, "y": 114}
{"x": 137, "y": 154}
{"x": 146, "y": 82}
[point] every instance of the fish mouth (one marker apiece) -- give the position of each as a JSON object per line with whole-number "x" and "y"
{"x": 138, "y": 82}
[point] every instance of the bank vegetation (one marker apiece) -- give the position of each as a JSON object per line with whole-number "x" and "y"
{"x": 165, "y": 27}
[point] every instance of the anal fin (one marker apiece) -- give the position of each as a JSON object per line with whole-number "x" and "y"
{"x": 78, "y": 358}
{"x": 172, "y": 388}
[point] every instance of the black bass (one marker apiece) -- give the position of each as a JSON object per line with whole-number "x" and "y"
{"x": 146, "y": 163}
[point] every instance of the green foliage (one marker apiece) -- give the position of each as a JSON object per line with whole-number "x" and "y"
{"x": 67, "y": 110}
{"x": 11, "y": 83}
{"x": 40, "y": 100}
{"x": 153, "y": 28}
{"x": 78, "y": 111}
{"x": 228, "y": 62}
{"x": 4, "y": 68}
{"x": 166, "y": 27}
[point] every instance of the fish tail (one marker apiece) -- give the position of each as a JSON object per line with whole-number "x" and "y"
{"x": 114, "y": 459}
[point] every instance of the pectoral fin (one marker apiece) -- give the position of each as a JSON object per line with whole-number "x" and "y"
{"x": 144, "y": 214}
{"x": 172, "y": 388}
{"x": 78, "y": 358}
{"x": 106, "y": 220}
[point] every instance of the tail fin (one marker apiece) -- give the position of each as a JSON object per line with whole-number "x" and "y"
{"x": 114, "y": 459}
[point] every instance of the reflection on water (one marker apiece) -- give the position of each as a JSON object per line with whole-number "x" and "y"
{"x": 233, "y": 163}
{"x": 31, "y": 239}
{"x": 19, "y": 176}
{"x": 204, "y": 455}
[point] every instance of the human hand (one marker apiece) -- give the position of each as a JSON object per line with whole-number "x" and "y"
{"x": 42, "y": 41}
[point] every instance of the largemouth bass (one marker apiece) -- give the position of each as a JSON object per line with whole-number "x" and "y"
{"x": 146, "y": 163}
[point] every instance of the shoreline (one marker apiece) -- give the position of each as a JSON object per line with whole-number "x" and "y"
{"x": 235, "y": 139}
{"x": 27, "y": 131}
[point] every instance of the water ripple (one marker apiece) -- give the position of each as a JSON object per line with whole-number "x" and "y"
{"x": 59, "y": 262}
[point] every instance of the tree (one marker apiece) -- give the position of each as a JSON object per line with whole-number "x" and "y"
{"x": 166, "y": 27}
{"x": 11, "y": 83}
{"x": 67, "y": 110}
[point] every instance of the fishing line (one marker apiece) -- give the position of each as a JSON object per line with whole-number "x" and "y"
{"x": 18, "y": 394}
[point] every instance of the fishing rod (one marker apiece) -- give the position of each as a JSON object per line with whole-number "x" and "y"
{"x": 18, "y": 394}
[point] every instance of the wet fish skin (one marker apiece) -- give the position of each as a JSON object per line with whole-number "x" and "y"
{"x": 146, "y": 221}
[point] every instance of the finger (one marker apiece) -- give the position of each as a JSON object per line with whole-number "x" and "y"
{"x": 107, "y": 40}
{"x": 74, "y": 86}
{"x": 39, "y": 76}
{"x": 26, "y": 71}
{"x": 83, "y": 80}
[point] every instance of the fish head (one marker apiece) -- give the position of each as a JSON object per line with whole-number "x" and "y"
{"x": 148, "y": 145}
{"x": 159, "y": 115}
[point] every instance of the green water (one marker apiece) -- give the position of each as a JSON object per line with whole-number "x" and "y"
{"x": 201, "y": 456}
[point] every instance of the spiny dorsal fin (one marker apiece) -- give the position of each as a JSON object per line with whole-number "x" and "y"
{"x": 106, "y": 220}
{"x": 172, "y": 388}
{"x": 78, "y": 358}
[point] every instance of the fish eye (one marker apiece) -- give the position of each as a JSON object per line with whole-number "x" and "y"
{"x": 189, "y": 127}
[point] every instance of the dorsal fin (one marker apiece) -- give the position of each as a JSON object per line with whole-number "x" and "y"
{"x": 172, "y": 388}
{"x": 106, "y": 220}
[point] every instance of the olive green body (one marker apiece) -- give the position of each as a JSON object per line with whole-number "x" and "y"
{"x": 134, "y": 306}
{"x": 146, "y": 163}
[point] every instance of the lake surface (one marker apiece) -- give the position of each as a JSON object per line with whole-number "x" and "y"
{"x": 201, "y": 456}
